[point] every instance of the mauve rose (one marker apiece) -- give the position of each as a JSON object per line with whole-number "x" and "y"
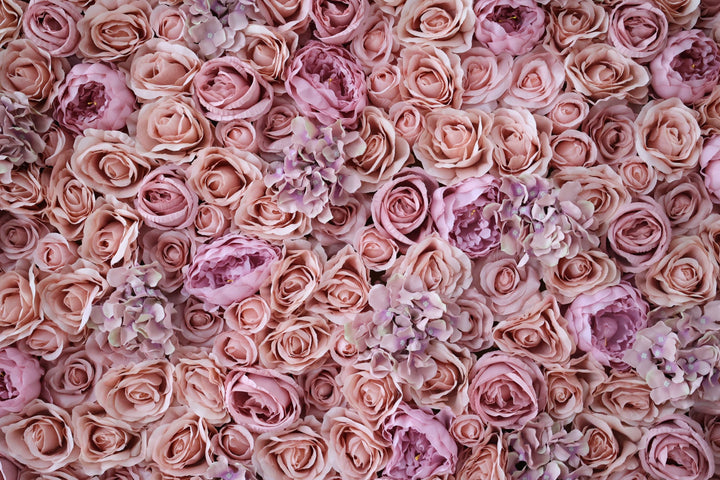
{"x": 638, "y": 29}
{"x": 687, "y": 68}
{"x": 226, "y": 88}
{"x": 336, "y": 24}
{"x": 327, "y": 84}
{"x": 39, "y": 437}
{"x": 19, "y": 380}
{"x": 230, "y": 269}
{"x": 506, "y": 391}
{"x": 507, "y": 285}
{"x": 8, "y": 470}
{"x": 675, "y": 448}
{"x": 93, "y": 95}
{"x": 486, "y": 76}
{"x": 457, "y": 211}
{"x": 445, "y": 24}
{"x": 321, "y": 390}
{"x": 70, "y": 381}
{"x": 161, "y": 68}
{"x": 512, "y": 26}
{"x": 262, "y": 400}
{"x": 52, "y": 25}
{"x": 604, "y": 323}
{"x": 420, "y": 445}
{"x": 19, "y": 237}
{"x": 710, "y": 166}
{"x": 111, "y": 30}
{"x": 686, "y": 203}
{"x": 164, "y": 200}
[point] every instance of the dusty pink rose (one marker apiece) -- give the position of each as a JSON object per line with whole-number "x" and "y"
{"x": 171, "y": 250}
{"x": 234, "y": 442}
{"x": 445, "y": 24}
{"x": 638, "y": 29}
{"x": 611, "y": 124}
{"x": 221, "y": 176}
{"x": 430, "y": 77}
{"x": 226, "y": 88}
{"x": 19, "y": 380}
{"x": 327, "y": 84}
{"x": 687, "y": 68}
{"x": 520, "y": 141}
{"x": 71, "y": 380}
{"x": 486, "y": 76}
{"x": 180, "y": 445}
{"x": 248, "y": 316}
{"x": 710, "y": 166}
{"x": 573, "y": 148}
{"x": 199, "y": 384}
{"x": 164, "y": 200}
{"x": 574, "y": 23}
{"x": 168, "y": 22}
{"x": 93, "y": 95}
{"x": 686, "y": 203}
{"x": 161, "y": 68}
{"x": 19, "y": 238}
{"x": 377, "y": 251}
{"x": 626, "y": 395}
{"x": 408, "y": 120}
{"x": 605, "y": 323}
{"x": 111, "y": 233}
{"x": 111, "y": 30}
{"x": 52, "y": 25}
{"x": 267, "y": 50}
{"x": 235, "y": 349}
{"x": 675, "y": 447}
{"x": 374, "y": 42}
{"x": 637, "y": 175}
{"x": 237, "y": 134}
{"x": 274, "y": 129}
{"x": 53, "y": 253}
{"x": 321, "y": 390}
{"x": 296, "y": 345}
{"x": 373, "y": 398}
{"x": 506, "y": 391}
{"x": 335, "y": 25}
{"x": 262, "y": 400}
{"x": 295, "y": 278}
{"x": 537, "y": 79}
{"x": 506, "y": 284}
{"x": 512, "y": 26}
{"x": 346, "y": 221}
{"x": 19, "y": 306}
{"x": 211, "y": 221}
{"x": 587, "y": 272}
{"x": 230, "y": 269}
{"x": 383, "y": 85}
{"x": 568, "y": 111}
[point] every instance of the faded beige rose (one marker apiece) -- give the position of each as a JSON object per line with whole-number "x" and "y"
{"x": 453, "y": 145}
{"x": 294, "y": 279}
{"x": 373, "y": 398}
{"x": 587, "y": 272}
{"x": 10, "y": 15}
{"x": 259, "y": 214}
{"x": 626, "y": 395}
{"x": 110, "y": 234}
{"x": 137, "y": 393}
{"x": 520, "y": 142}
{"x": 599, "y": 71}
{"x": 32, "y": 71}
{"x": 570, "y": 389}
{"x": 638, "y": 176}
{"x": 385, "y": 154}
{"x": 383, "y": 86}
{"x": 200, "y": 384}
{"x": 19, "y": 306}
{"x": 160, "y": 68}
{"x": 268, "y": 50}
{"x": 567, "y": 112}
{"x": 573, "y": 148}
{"x": 611, "y": 444}
{"x": 447, "y": 24}
{"x": 170, "y": 128}
{"x": 668, "y": 137}
{"x": 574, "y": 22}
{"x": 70, "y": 201}
{"x": 507, "y": 285}
{"x": 430, "y": 77}
{"x": 112, "y": 30}
{"x": 295, "y": 345}
{"x": 686, "y": 276}
{"x": 106, "y": 442}
{"x": 220, "y": 175}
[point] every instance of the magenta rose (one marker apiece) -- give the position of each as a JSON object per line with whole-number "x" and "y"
{"x": 327, "y": 84}
{"x": 164, "y": 200}
{"x": 19, "y": 380}
{"x": 688, "y": 67}
{"x": 710, "y": 167}
{"x": 230, "y": 269}
{"x": 421, "y": 445}
{"x": 93, "y": 95}
{"x": 605, "y": 323}
{"x": 458, "y": 214}
{"x": 512, "y": 26}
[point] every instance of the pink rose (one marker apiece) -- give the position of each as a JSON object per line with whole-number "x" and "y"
{"x": 537, "y": 79}
{"x": 280, "y": 349}
{"x": 267, "y": 50}
{"x": 164, "y": 200}
{"x": 19, "y": 380}
{"x": 235, "y": 349}
{"x": 486, "y": 75}
{"x": 237, "y": 134}
{"x": 638, "y": 176}
{"x": 377, "y": 251}
{"x": 321, "y": 390}
{"x": 52, "y": 25}
{"x": 171, "y": 250}
{"x": 336, "y": 25}
{"x": 53, "y": 253}
{"x": 688, "y": 67}
{"x": 375, "y": 42}
{"x": 70, "y": 381}
{"x": 111, "y": 30}
{"x": 611, "y": 124}
{"x": 93, "y": 95}
{"x": 710, "y": 166}
{"x": 605, "y": 322}
{"x": 506, "y": 284}
{"x": 200, "y": 384}
{"x": 327, "y": 84}
{"x": 686, "y": 203}
{"x": 574, "y": 23}
{"x": 383, "y": 85}
{"x": 573, "y": 148}
{"x": 180, "y": 445}
{"x": 161, "y": 68}
{"x": 441, "y": 23}
{"x": 230, "y": 269}
{"x": 512, "y": 26}
{"x": 520, "y": 141}
{"x": 430, "y": 77}
{"x": 250, "y": 315}
{"x": 19, "y": 306}
{"x": 568, "y": 111}
{"x": 168, "y": 22}
{"x": 506, "y": 391}
{"x": 211, "y": 221}
{"x": 226, "y": 88}
{"x": 638, "y": 29}
{"x": 373, "y": 398}
{"x": 19, "y": 238}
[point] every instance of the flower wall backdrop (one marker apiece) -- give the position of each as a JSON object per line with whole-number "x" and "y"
{"x": 359, "y": 239}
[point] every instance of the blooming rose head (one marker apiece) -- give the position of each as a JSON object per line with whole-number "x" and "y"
{"x": 111, "y": 30}
{"x": 180, "y": 445}
{"x": 442, "y": 23}
{"x": 688, "y": 67}
{"x": 574, "y": 23}
{"x": 335, "y": 25}
{"x": 52, "y": 25}
{"x": 430, "y": 77}
{"x": 161, "y": 68}
{"x": 19, "y": 380}
{"x": 512, "y": 26}
{"x": 537, "y": 80}
{"x": 486, "y": 76}
{"x": 638, "y": 29}
{"x": 93, "y": 95}
{"x": 611, "y": 125}
{"x": 327, "y": 84}
{"x": 164, "y": 200}
{"x": 230, "y": 269}
{"x": 710, "y": 165}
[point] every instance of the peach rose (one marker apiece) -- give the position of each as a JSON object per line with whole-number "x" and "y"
{"x": 486, "y": 76}
{"x": 27, "y": 69}
{"x": 507, "y": 285}
{"x": 268, "y": 50}
{"x": 571, "y": 388}
{"x": 372, "y": 398}
{"x": 686, "y": 203}
{"x": 521, "y": 142}
{"x": 262, "y": 400}
{"x": 383, "y": 85}
{"x": 359, "y": 452}
{"x": 625, "y": 395}
{"x": 23, "y": 194}
{"x": 108, "y": 162}
{"x": 335, "y": 26}
{"x": 70, "y": 381}
{"x": 374, "y": 42}
{"x": 211, "y": 221}
{"x": 453, "y": 145}
{"x": 168, "y": 22}
{"x": 611, "y": 124}
{"x": 573, "y": 148}
{"x": 377, "y": 251}
{"x": 638, "y": 176}
{"x": 112, "y": 30}
{"x": 430, "y": 77}
{"x": 180, "y": 445}
{"x": 250, "y": 315}
{"x": 600, "y": 71}
{"x": 539, "y": 333}
{"x": 39, "y": 437}
{"x": 198, "y": 326}
{"x": 111, "y": 232}
{"x": 668, "y": 137}
{"x": 708, "y": 109}
{"x": 294, "y": 279}
{"x": 298, "y": 454}
{"x": 587, "y": 272}
{"x": 408, "y": 120}
{"x": 52, "y": 25}
{"x": 160, "y": 68}
{"x": 295, "y": 345}
{"x": 611, "y": 444}
{"x": 638, "y": 29}
{"x": 106, "y": 442}
{"x": 70, "y": 201}
{"x": 512, "y": 26}
{"x": 54, "y": 253}
{"x": 537, "y": 79}
{"x": 170, "y": 128}
{"x": 321, "y": 390}
{"x": 474, "y": 325}
{"x": 259, "y": 214}
{"x": 19, "y": 306}
{"x": 220, "y": 176}
{"x": 567, "y": 112}
{"x": 235, "y": 349}
{"x": 447, "y": 24}
{"x": 575, "y": 22}
{"x": 237, "y": 134}
{"x": 686, "y": 276}
{"x": 200, "y": 384}
{"x": 226, "y": 88}
{"x": 138, "y": 393}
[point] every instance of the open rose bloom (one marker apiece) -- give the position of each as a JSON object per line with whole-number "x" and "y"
{"x": 360, "y": 239}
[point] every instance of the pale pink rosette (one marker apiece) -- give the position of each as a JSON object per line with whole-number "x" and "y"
{"x": 447, "y": 24}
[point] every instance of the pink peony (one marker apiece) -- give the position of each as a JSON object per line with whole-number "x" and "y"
{"x": 19, "y": 380}
{"x": 512, "y": 26}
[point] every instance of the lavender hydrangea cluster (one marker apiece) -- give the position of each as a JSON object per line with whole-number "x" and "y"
{"x": 20, "y": 129}
{"x": 216, "y": 26}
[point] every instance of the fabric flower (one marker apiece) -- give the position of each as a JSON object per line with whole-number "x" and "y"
{"x": 21, "y": 127}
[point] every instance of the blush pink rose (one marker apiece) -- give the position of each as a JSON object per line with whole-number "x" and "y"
{"x": 638, "y": 29}
{"x": 327, "y": 84}
{"x": 430, "y": 77}
{"x": 111, "y": 30}
{"x": 180, "y": 445}
{"x": 52, "y": 25}
{"x": 164, "y": 200}
{"x": 486, "y": 75}
{"x": 377, "y": 251}
{"x": 230, "y": 269}
{"x": 574, "y": 23}
{"x": 19, "y": 380}
{"x": 161, "y": 68}
{"x": 611, "y": 125}
{"x": 512, "y": 26}
{"x": 710, "y": 166}
{"x": 200, "y": 384}
{"x": 374, "y": 43}
{"x": 445, "y": 24}
{"x": 568, "y": 111}
{"x": 335, "y": 24}
{"x": 168, "y": 22}
{"x": 537, "y": 79}
{"x": 93, "y": 95}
